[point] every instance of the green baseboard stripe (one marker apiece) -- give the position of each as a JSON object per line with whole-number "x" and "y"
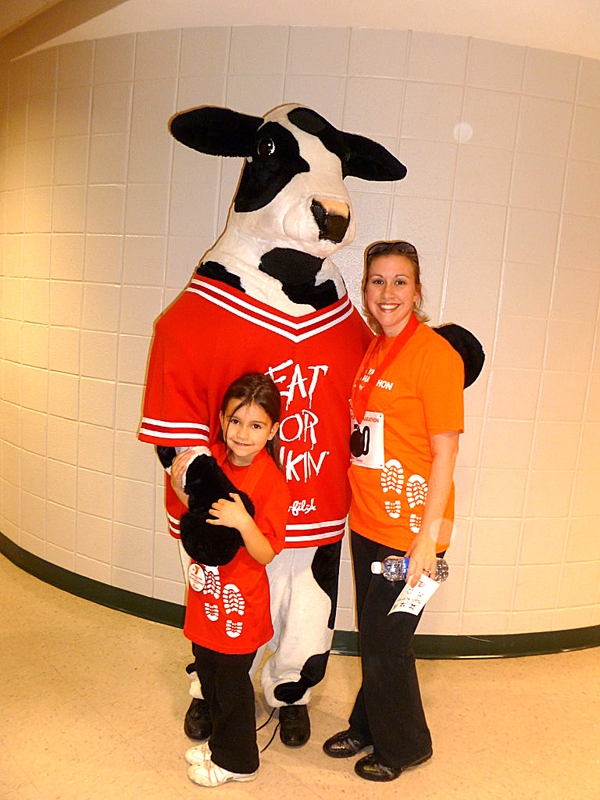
{"x": 344, "y": 642}
{"x": 493, "y": 646}
{"x": 119, "y": 599}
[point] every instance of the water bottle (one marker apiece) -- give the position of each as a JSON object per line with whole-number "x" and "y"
{"x": 394, "y": 568}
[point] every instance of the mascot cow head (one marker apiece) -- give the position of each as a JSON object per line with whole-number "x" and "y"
{"x": 291, "y": 210}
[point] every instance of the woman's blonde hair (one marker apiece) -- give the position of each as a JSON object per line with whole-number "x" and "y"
{"x": 385, "y": 248}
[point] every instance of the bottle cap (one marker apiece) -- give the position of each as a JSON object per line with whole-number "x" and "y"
{"x": 376, "y": 567}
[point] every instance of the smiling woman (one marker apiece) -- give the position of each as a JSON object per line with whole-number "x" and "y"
{"x": 408, "y": 409}
{"x": 391, "y": 286}
{"x": 392, "y": 293}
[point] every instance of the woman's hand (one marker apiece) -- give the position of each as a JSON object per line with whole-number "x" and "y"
{"x": 444, "y": 449}
{"x": 231, "y": 513}
{"x": 422, "y": 558}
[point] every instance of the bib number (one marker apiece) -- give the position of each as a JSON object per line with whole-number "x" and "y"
{"x": 366, "y": 440}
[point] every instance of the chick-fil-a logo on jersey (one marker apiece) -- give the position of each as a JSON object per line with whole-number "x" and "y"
{"x": 300, "y": 454}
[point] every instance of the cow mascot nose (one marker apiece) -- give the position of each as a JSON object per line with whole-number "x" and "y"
{"x": 333, "y": 219}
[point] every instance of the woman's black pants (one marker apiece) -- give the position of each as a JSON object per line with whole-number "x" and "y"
{"x": 388, "y": 712}
{"x": 227, "y": 687}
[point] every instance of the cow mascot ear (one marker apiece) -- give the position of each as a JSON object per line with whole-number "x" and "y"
{"x": 215, "y": 131}
{"x": 205, "y": 483}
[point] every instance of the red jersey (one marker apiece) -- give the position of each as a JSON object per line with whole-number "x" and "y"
{"x": 210, "y": 336}
{"x": 228, "y": 606}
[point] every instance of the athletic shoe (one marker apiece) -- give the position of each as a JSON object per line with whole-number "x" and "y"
{"x": 199, "y": 754}
{"x": 210, "y": 774}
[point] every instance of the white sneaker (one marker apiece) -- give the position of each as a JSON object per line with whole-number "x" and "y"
{"x": 210, "y": 774}
{"x": 198, "y": 754}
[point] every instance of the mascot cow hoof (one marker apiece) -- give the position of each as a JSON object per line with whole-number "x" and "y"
{"x": 197, "y": 724}
{"x": 294, "y": 725}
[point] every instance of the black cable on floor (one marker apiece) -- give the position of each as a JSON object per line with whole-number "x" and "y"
{"x": 264, "y": 725}
{"x": 271, "y": 739}
{"x": 267, "y": 722}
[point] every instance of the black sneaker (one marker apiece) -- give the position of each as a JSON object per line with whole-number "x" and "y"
{"x": 197, "y": 724}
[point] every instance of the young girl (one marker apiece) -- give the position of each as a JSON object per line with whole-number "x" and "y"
{"x": 227, "y": 615}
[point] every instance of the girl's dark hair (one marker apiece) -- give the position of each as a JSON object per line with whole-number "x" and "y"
{"x": 259, "y": 389}
{"x": 393, "y": 248}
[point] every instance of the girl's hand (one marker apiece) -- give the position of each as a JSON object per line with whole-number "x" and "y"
{"x": 231, "y": 513}
{"x": 422, "y": 558}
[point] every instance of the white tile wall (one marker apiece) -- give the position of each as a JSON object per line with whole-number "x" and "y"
{"x": 34, "y": 426}
{"x": 449, "y": 64}
{"x": 103, "y": 218}
{"x": 157, "y": 54}
{"x": 493, "y": 117}
{"x": 543, "y": 541}
{"x": 67, "y": 256}
{"x": 563, "y": 396}
{"x": 99, "y": 354}
{"x": 549, "y": 74}
{"x": 62, "y": 438}
{"x": 378, "y": 52}
{"x": 493, "y": 65}
{"x": 588, "y": 92}
{"x": 111, "y": 108}
{"x": 204, "y": 51}
{"x": 580, "y": 237}
{"x": 113, "y": 59}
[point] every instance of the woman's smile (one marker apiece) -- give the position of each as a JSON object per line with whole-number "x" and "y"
{"x": 391, "y": 292}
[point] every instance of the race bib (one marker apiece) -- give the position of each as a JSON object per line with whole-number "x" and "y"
{"x": 366, "y": 440}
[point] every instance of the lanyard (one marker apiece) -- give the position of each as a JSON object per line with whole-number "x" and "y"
{"x": 361, "y": 391}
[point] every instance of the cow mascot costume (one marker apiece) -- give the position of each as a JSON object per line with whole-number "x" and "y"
{"x": 267, "y": 298}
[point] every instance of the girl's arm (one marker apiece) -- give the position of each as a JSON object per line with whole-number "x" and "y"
{"x": 232, "y": 513}
{"x": 444, "y": 448}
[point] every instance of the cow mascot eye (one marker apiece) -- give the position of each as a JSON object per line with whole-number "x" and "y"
{"x": 265, "y": 147}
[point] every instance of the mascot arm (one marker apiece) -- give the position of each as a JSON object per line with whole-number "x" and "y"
{"x": 467, "y": 346}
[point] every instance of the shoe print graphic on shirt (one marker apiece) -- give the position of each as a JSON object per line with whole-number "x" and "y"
{"x": 233, "y": 600}
{"x": 415, "y": 523}
{"x": 212, "y": 611}
{"x": 392, "y": 476}
{"x": 416, "y": 490}
{"x": 393, "y": 508}
{"x": 213, "y": 582}
{"x": 233, "y": 629}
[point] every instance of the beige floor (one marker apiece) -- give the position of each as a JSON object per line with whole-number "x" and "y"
{"x": 92, "y": 701}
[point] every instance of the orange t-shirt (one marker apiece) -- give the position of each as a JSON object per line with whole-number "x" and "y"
{"x": 419, "y": 394}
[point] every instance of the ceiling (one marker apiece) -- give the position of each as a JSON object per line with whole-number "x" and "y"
{"x": 14, "y": 13}
{"x": 572, "y": 27}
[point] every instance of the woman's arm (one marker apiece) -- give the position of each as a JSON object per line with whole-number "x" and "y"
{"x": 444, "y": 449}
{"x": 232, "y": 513}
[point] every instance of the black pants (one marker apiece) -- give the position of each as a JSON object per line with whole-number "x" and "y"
{"x": 227, "y": 687}
{"x": 388, "y": 712}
